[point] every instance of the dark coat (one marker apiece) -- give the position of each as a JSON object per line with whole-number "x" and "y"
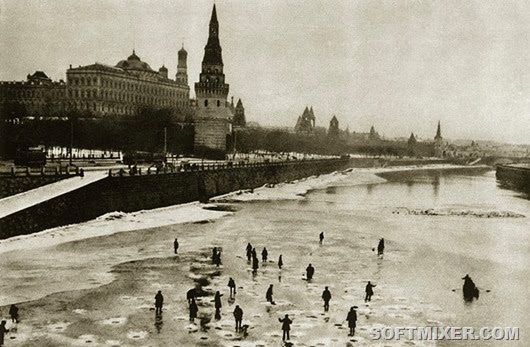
{"x": 190, "y": 294}
{"x": 231, "y": 283}
{"x": 193, "y": 310}
{"x": 286, "y": 323}
{"x": 238, "y": 313}
{"x": 326, "y": 295}
{"x": 369, "y": 289}
{"x": 159, "y": 300}
{"x": 217, "y": 300}
{"x": 352, "y": 319}
{"x": 268, "y": 296}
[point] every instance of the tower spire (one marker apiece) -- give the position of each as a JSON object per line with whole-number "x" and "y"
{"x": 438, "y": 132}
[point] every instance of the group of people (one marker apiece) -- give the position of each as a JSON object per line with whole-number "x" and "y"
{"x": 252, "y": 258}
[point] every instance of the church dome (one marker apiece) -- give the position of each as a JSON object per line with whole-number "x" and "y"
{"x": 134, "y": 62}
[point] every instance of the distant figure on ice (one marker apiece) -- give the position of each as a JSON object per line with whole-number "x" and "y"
{"x": 352, "y": 320}
{"x": 214, "y": 255}
{"x": 159, "y": 302}
{"x": 268, "y": 295}
{"x": 264, "y": 255}
{"x": 193, "y": 310}
{"x": 249, "y": 252}
{"x": 369, "y": 291}
{"x": 286, "y": 327}
{"x": 469, "y": 289}
{"x": 280, "y": 262}
{"x": 321, "y": 237}
{"x": 255, "y": 264}
{"x": 176, "y": 246}
{"x": 13, "y": 312}
{"x": 238, "y": 316}
{"x": 3, "y": 331}
{"x": 254, "y": 254}
{"x": 326, "y": 296}
{"x": 310, "y": 271}
{"x": 218, "y": 305}
{"x": 381, "y": 247}
{"x": 190, "y": 295}
{"x": 232, "y": 286}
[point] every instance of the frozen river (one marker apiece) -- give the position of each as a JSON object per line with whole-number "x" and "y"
{"x": 425, "y": 258}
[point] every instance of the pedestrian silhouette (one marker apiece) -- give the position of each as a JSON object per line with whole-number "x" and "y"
{"x": 369, "y": 291}
{"x": 176, "y": 246}
{"x": 321, "y": 237}
{"x": 159, "y": 302}
{"x": 381, "y": 247}
{"x": 249, "y": 252}
{"x": 310, "y": 271}
{"x": 193, "y": 310}
{"x": 352, "y": 320}
{"x": 280, "y": 262}
{"x": 232, "y": 286}
{"x": 238, "y": 315}
{"x": 264, "y": 255}
{"x": 326, "y": 296}
{"x": 286, "y": 326}
{"x": 218, "y": 305}
{"x": 469, "y": 289}
{"x": 254, "y": 254}
{"x": 268, "y": 295}
{"x": 255, "y": 264}
{"x": 13, "y": 312}
{"x": 190, "y": 295}
{"x": 214, "y": 255}
{"x": 3, "y": 331}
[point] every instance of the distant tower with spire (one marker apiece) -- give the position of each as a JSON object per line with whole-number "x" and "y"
{"x": 213, "y": 117}
{"x": 182, "y": 66}
{"x": 438, "y": 142}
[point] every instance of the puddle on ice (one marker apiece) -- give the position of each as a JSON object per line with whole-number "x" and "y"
{"x": 117, "y": 321}
{"x": 137, "y": 335}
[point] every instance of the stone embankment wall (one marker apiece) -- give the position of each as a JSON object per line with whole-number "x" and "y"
{"x": 14, "y": 184}
{"x": 515, "y": 177}
{"x": 133, "y": 193}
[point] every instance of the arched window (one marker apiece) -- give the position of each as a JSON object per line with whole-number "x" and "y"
{"x": 206, "y": 103}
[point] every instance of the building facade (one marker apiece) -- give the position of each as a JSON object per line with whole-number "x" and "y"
{"x": 37, "y": 96}
{"x": 213, "y": 114}
{"x": 98, "y": 90}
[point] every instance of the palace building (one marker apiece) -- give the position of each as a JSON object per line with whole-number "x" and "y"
{"x": 100, "y": 90}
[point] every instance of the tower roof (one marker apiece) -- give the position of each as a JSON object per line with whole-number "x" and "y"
{"x": 239, "y": 103}
{"x": 438, "y": 132}
{"x": 133, "y": 62}
{"x": 213, "y": 51}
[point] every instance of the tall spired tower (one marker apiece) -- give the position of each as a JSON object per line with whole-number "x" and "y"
{"x": 438, "y": 142}
{"x": 213, "y": 117}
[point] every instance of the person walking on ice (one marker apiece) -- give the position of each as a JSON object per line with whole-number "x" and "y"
{"x": 232, "y": 286}
{"x": 286, "y": 327}
{"x": 159, "y": 302}
{"x": 369, "y": 291}
{"x": 176, "y": 246}
{"x": 218, "y": 305}
{"x": 326, "y": 296}
{"x": 381, "y": 247}
{"x": 310, "y": 271}
{"x": 280, "y": 262}
{"x": 321, "y": 237}
{"x": 268, "y": 295}
{"x": 352, "y": 320}
{"x": 194, "y": 309}
{"x": 238, "y": 315}
{"x": 264, "y": 255}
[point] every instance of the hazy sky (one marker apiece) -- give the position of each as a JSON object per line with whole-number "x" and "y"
{"x": 399, "y": 65}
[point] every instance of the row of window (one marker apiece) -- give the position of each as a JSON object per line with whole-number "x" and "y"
{"x": 117, "y": 84}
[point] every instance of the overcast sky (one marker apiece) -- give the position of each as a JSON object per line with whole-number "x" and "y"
{"x": 399, "y": 65}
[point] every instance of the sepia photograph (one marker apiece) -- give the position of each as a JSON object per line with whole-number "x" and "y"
{"x": 254, "y": 173}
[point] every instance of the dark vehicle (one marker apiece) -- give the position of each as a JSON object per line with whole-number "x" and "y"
{"x": 30, "y": 157}
{"x": 137, "y": 157}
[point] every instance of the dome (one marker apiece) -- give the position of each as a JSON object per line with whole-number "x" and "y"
{"x": 163, "y": 68}
{"x": 183, "y": 52}
{"x": 134, "y": 62}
